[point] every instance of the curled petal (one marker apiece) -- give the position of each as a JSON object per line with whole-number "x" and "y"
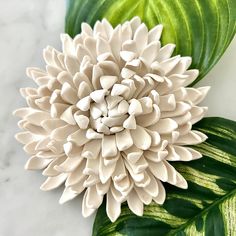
{"x": 69, "y": 165}
{"x": 53, "y": 182}
{"x": 93, "y": 200}
{"x": 36, "y": 163}
{"x": 124, "y": 140}
{"x": 141, "y": 138}
{"x": 150, "y": 118}
{"x": 68, "y": 194}
{"x": 135, "y": 204}
{"x": 159, "y": 170}
{"x": 113, "y": 208}
{"x": 109, "y": 146}
{"x": 193, "y": 137}
{"x": 86, "y": 211}
{"x": 106, "y": 171}
{"x": 164, "y": 126}
{"x": 160, "y": 198}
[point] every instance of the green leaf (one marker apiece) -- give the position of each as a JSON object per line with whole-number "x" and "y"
{"x": 207, "y": 207}
{"x": 201, "y": 29}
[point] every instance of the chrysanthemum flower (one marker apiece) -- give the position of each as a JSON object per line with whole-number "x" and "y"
{"x": 110, "y": 113}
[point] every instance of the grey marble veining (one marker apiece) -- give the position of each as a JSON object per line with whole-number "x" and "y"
{"x": 26, "y": 27}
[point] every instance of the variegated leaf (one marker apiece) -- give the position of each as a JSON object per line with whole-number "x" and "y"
{"x": 206, "y": 208}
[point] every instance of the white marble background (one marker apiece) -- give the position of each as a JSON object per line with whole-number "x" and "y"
{"x": 26, "y": 27}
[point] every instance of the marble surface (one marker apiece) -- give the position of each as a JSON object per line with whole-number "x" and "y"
{"x": 26, "y": 27}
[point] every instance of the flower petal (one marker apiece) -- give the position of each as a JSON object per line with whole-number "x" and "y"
{"x": 135, "y": 204}
{"x": 109, "y": 146}
{"x": 124, "y": 140}
{"x": 113, "y": 208}
{"x": 141, "y": 138}
{"x": 53, "y": 182}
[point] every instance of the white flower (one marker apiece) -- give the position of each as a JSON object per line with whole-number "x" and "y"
{"x": 109, "y": 115}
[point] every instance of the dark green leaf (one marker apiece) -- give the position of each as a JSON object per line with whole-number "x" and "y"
{"x": 181, "y": 208}
{"x": 199, "y": 223}
{"x": 207, "y": 207}
{"x": 202, "y": 29}
{"x": 214, "y": 223}
{"x": 134, "y": 225}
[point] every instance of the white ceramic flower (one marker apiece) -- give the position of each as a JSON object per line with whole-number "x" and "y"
{"x": 109, "y": 115}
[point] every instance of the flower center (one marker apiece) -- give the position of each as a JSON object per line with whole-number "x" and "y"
{"x": 109, "y": 115}
{"x": 118, "y": 105}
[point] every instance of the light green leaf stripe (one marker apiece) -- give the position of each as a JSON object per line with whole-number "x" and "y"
{"x": 202, "y": 29}
{"x": 206, "y": 208}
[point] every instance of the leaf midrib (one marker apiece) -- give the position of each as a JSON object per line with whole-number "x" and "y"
{"x": 205, "y": 210}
